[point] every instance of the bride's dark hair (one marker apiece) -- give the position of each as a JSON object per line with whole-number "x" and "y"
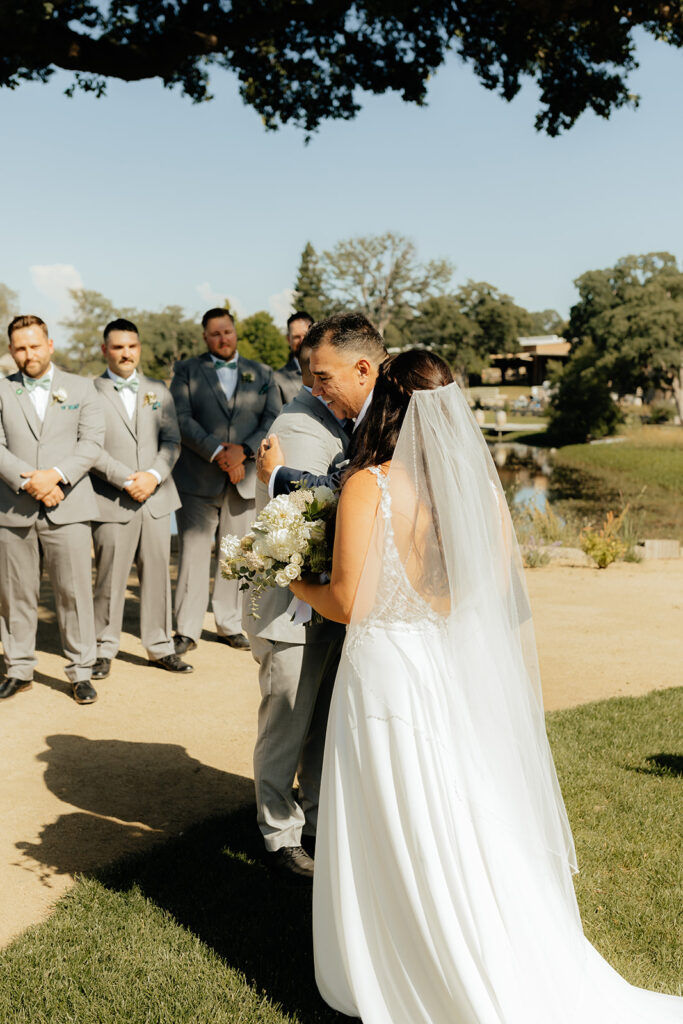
{"x": 399, "y": 376}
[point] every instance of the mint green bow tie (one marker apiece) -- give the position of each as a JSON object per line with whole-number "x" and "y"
{"x": 31, "y": 384}
{"x": 221, "y": 363}
{"x": 132, "y": 385}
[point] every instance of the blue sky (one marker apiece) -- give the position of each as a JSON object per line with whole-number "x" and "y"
{"x": 151, "y": 200}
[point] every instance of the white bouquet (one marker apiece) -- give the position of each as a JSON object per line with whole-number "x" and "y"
{"x": 291, "y": 536}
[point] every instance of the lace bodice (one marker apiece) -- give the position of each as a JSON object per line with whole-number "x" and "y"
{"x": 397, "y": 603}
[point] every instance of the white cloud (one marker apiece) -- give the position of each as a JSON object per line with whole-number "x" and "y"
{"x": 210, "y": 297}
{"x": 54, "y": 281}
{"x": 280, "y": 305}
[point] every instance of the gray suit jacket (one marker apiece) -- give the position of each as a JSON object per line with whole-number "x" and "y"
{"x": 288, "y": 379}
{"x": 151, "y": 440}
{"x": 207, "y": 419}
{"x": 312, "y": 437}
{"x": 69, "y": 437}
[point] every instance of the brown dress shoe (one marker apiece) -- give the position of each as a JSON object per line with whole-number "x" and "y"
{"x": 292, "y": 861}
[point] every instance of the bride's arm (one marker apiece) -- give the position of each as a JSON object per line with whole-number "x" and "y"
{"x": 355, "y": 521}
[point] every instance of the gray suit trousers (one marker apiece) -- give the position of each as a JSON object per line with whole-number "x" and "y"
{"x": 146, "y": 541}
{"x": 296, "y": 682}
{"x": 66, "y": 553}
{"x": 200, "y": 521}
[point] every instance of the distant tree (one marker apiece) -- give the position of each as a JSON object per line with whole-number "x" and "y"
{"x": 633, "y": 315}
{"x": 9, "y": 307}
{"x": 442, "y": 326}
{"x": 309, "y": 293}
{"x": 91, "y": 313}
{"x": 300, "y": 62}
{"x": 166, "y": 336}
{"x": 499, "y": 319}
{"x": 547, "y": 321}
{"x": 259, "y": 338}
{"x": 582, "y": 405}
{"x": 381, "y": 276}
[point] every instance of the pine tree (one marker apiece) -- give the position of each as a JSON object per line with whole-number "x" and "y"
{"x": 309, "y": 293}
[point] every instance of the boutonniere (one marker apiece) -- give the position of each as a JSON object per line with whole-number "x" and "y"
{"x": 247, "y": 377}
{"x": 150, "y": 398}
{"x": 59, "y": 395}
{"x": 20, "y": 391}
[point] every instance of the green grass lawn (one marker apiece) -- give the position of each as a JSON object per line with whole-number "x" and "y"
{"x": 197, "y": 931}
{"x": 644, "y": 471}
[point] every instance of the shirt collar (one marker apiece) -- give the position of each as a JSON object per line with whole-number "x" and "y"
{"x": 48, "y": 375}
{"x": 363, "y": 411}
{"x": 115, "y": 377}
{"x": 215, "y": 358}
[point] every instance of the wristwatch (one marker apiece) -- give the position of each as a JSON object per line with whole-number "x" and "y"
{"x": 248, "y": 453}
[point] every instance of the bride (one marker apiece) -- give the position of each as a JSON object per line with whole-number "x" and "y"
{"x": 443, "y": 873}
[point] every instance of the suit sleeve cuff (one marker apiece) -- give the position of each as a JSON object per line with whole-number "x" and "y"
{"x": 271, "y": 482}
{"x": 62, "y": 477}
{"x": 219, "y": 449}
{"x": 155, "y": 474}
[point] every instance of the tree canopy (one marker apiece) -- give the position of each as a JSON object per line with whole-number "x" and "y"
{"x": 302, "y": 63}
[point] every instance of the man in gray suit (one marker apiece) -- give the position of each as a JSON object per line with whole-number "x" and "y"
{"x": 225, "y": 405}
{"x": 51, "y": 433}
{"x": 297, "y": 661}
{"x": 288, "y": 377}
{"x": 135, "y": 495}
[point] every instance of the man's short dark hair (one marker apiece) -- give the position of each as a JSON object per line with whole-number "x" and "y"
{"x": 350, "y": 332}
{"x": 26, "y": 320}
{"x": 299, "y": 316}
{"x": 215, "y": 313}
{"x": 120, "y": 325}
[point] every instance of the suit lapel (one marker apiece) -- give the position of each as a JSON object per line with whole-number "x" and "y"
{"x": 211, "y": 374}
{"x": 107, "y": 389}
{"x": 26, "y": 405}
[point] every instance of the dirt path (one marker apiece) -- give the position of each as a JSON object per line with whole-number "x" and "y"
{"x": 81, "y": 785}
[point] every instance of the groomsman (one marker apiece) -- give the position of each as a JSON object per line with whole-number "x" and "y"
{"x": 51, "y": 433}
{"x": 288, "y": 377}
{"x": 136, "y": 495}
{"x": 225, "y": 405}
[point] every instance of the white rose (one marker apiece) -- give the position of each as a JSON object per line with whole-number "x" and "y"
{"x": 292, "y": 572}
{"x": 281, "y": 579}
{"x": 324, "y": 495}
{"x": 296, "y": 559}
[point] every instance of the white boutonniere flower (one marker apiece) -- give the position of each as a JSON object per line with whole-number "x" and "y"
{"x": 150, "y": 397}
{"x": 59, "y": 395}
{"x": 247, "y": 377}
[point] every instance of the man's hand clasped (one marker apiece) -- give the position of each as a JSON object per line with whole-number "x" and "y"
{"x": 141, "y": 485}
{"x": 43, "y": 485}
{"x": 269, "y": 456}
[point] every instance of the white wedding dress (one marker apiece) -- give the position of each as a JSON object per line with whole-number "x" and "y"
{"x": 443, "y": 873}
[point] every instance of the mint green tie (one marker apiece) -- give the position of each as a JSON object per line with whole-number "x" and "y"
{"x": 42, "y": 382}
{"x": 221, "y": 363}
{"x": 132, "y": 385}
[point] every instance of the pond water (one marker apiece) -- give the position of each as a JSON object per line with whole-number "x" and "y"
{"x": 525, "y": 472}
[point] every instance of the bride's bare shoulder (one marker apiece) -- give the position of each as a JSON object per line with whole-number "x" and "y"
{"x": 361, "y": 488}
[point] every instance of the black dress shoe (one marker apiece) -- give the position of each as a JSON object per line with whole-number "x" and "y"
{"x": 292, "y": 861}
{"x": 183, "y": 644}
{"x": 10, "y": 686}
{"x": 101, "y": 668}
{"x": 236, "y": 640}
{"x": 172, "y": 663}
{"x": 84, "y": 692}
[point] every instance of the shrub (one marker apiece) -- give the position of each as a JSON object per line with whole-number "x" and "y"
{"x": 604, "y": 545}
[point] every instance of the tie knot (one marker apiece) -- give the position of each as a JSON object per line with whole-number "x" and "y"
{"x": 131, "y": 385}
{"x": 224, "y": 364}
{"x": 42, "y": 382}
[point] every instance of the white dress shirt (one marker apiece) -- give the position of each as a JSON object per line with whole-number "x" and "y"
{"x": 130, "y": 400}
{"x": 227, "y": 378}
{"x": 40, "y": 398}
